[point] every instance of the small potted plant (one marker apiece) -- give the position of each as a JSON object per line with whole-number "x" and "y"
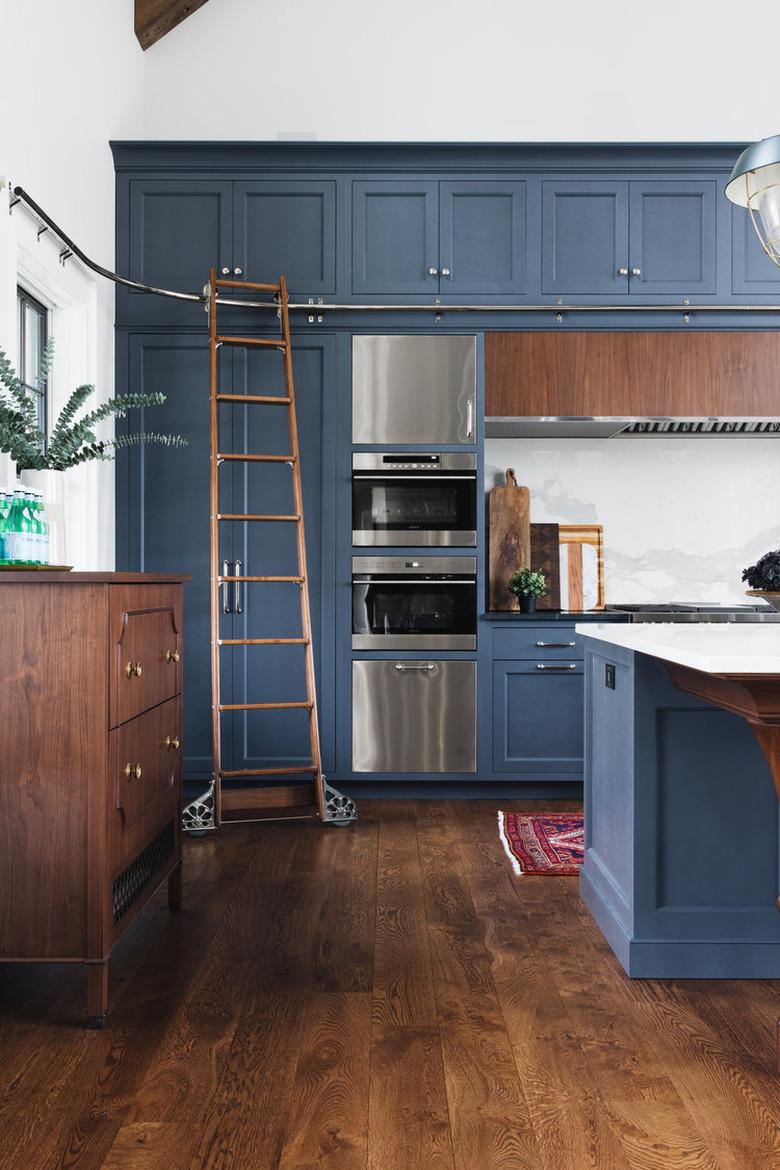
{"x": 527, "y": 585}
{"x": 764, "y": 578}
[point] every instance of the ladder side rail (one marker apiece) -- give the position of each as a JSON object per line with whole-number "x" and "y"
{"x": 216, "y": 724}
{"x": 300, "y": 537}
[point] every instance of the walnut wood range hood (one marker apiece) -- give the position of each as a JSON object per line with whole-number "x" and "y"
{"x": 603, "y": 385}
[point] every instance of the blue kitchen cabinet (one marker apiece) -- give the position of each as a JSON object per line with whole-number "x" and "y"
{"x": 287, "y": 226}
{"x": 448, "y": 239}
{"x": 585, "y": 237}
{"x": 538, "y": 718}
{"x": 672, "y": 238}
{"x": 753, "y": 274}
{"x": 163, "y": 526}
{"x": 482, "y": 239}
{"x": 395, "y": 237}
{"x": 635, "y": 237}
{"x": 175, "y": 230}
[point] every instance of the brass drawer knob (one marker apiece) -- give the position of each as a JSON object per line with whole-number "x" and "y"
{"x": 172, "y": 743}
{"x": 172, "y": 655}
{"x": 133, "y": 668}
{"x": 133, "y": 771}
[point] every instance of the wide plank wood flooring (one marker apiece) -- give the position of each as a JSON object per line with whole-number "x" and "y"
{"x": 383, "y": 997}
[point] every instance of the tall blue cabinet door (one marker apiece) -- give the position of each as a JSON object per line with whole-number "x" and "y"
{"x": 268, "y": 739}
{"x": 395, "y": 237}
{"x": 288, "y": 227}
{"x": 753, "y": 274}
{"x": 179, "y": 229}
{"x": 538, "y": 718}
{"x": 163, "y": 505}
{"x": 673, "y": 239}
{"x": 482, "y": 238}
{"x": 584, "y": 237}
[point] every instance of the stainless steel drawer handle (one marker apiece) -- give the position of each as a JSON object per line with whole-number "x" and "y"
{"x": 561, "y": 666}
{"x": 408, "y": 666}
{"x": 556, "y": 645}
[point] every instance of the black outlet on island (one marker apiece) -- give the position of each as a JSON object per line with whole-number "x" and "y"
{"x": 609, "y": 676}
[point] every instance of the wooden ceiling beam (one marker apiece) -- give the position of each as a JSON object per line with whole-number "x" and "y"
{"x": 155, "y": 18}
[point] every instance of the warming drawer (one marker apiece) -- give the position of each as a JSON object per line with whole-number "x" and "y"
{"x": 414, "y": 716}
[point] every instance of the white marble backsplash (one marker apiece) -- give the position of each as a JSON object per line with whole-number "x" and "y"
{"x": 682, "y": 517}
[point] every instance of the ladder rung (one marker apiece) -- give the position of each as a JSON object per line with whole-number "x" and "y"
{"x": 264, "y": 706}
{"x": 237, "y": 772}
{"x": 261, "y": 342}
{"x": 263, "y": 399}
{"x": 254, "y": 516}
{"x": 296, "y": 580}
{"x": 263, "y": 642}
{"x": 224, "y": 456}
{"x": 274, "y": 288}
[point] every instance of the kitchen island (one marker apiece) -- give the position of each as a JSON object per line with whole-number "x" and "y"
{"x": 682, "y": 724}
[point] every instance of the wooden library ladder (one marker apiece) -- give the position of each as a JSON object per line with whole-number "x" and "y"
{"x": 266, "y": 801}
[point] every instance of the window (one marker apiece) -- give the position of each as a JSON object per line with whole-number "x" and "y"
{"x": 33, "y": 320}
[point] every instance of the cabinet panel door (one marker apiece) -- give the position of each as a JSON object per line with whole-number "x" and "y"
{"x": 482, "y": 237}
{"x": 537, "y": 718}
{"x": 395, "y": 237}
{"x": 673, "y": 237}
{"x": 163, "y": 506}
{"x": 584, "y": 236}
{"x": 752, "y": 272}
{"x": 179, "y": 229}
{"x": 266, "y": 739}
{"x": 287, "y": 227}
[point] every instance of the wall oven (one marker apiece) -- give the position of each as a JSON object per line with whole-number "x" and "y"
{"x": 414, "y": 498}
{"x": 414, "y": 603}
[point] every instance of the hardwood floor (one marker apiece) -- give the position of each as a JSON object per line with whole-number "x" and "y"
{"x": 383, "y": 997}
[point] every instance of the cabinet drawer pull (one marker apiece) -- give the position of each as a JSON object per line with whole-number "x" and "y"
{"x": 172, "y": 743}
{"x": 556, "y": 645}
{"x": 174, "y": 655}
{"x": 561, "y": 666}
{"x": 133, "y": 668}
{"x": 133, "y": 771}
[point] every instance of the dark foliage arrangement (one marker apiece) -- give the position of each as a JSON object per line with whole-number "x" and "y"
{"x": 765, "y": 574}
{"x": 72, "y": 440}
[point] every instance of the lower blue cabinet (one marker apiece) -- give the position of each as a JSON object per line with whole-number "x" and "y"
{"x": 538, "y": 718}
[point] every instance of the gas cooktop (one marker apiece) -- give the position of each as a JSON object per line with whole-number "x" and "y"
{"x": 686, "y": 611}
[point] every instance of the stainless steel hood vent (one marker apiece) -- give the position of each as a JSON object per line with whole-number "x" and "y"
{"x": 570, "y": 427}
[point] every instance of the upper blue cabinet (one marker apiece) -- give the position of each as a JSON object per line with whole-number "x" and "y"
{"x": 456, "y": 240}
{"x": 753, "y": 274}
{"x": 287, "y": 227}
{"x": 629, "y": 238}
{"x": 254, "y": 230}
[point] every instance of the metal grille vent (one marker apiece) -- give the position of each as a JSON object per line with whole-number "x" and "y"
{"x": 703, "y": 426}
{"x": 133, "y": 880}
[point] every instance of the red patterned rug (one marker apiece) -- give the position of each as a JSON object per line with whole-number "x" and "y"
{"x": 543, "y": 843}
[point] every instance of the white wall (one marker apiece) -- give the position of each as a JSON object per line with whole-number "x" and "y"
{"x": 682, "y": 517}
{"x": 503, "y": 70}
{"x": 72, "y": 79}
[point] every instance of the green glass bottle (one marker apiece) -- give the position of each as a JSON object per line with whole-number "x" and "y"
{"x": 5, "y": 512}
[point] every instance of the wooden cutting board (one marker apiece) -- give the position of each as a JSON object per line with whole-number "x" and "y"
{"x": 582, "y": 566}
{"x": 509, "y": 540}
{"x": 546, "y": 556}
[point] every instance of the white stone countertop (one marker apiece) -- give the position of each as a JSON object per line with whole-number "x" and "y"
{"x": 717, "y": 648}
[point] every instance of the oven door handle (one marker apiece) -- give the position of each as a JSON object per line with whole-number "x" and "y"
{"x": 422, "y": 476}
{"x": 404, "y": 666}
{"x": 406, "y": 581}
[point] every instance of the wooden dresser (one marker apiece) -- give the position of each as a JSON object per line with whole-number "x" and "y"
{"x": 90, "y": 773}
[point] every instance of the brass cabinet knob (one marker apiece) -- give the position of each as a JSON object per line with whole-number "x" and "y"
{"x": 172, "y": 655}
{"x": 172, "y": 743}
{"x": 134, "y": 668}
{"x": 133, "y": 771}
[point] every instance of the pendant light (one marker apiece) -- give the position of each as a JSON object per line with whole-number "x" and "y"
{"x": 755, "y": 184}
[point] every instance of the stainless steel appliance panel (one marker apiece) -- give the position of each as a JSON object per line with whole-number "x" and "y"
{"x": 414, "y": 389}
{"x": 414, "y": 498}
{"x": 414, "y": 603}
{"x": 414, "y": 716}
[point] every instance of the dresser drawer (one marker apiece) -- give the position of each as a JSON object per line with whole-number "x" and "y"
{"x": 146, "y": 633}
{"x": 146, "y": 758}
{"x": 537, "y": 641}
